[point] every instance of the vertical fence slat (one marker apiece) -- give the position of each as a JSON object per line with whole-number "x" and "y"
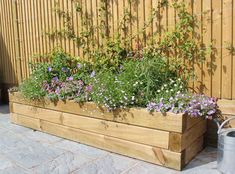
{"x": 226, "y": 56}
{"x": 233, "y": 52}
{"x": 206, "y": 43}
{"x": 17, "y": 42}
{"x": 197, "y": 31}
{"x": 148, "y": 20}
{"x": 156, "y": 21}
{"x": 141, "y": 20}
{"x": 217, "y": 44}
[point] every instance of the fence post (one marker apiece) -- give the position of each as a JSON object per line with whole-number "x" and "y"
{"x": 17, "y": 41}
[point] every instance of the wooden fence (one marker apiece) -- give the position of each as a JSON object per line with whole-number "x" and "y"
{"x": 23, "y": 24}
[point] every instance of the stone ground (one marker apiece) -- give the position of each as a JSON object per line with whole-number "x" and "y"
{"x": 24, "y": 151}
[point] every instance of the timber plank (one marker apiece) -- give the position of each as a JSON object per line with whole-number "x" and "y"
{"x": 178, "y": 142}
{"x": 192, "y": 121}
{"x": 35, "y": 112}
{"x": 135, "y": 116}
{"x": 29, "y": 122}
{"x": 193, "y": 150}
{"x": 119, "y": 130}
{"x": 192, "y": 134}
{"x": 135, "y": 150}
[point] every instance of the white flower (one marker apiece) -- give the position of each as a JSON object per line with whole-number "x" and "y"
{"x": 167, "y": 91}
{"x": 171, "y": 90}
{"x": 133, "y": 98}
{"x": 158, "y": 90}
{"x": 165, "y": 85}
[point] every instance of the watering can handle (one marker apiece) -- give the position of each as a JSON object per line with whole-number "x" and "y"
{"x": 222, "y": 125}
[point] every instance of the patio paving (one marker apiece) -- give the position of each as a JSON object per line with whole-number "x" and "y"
{"x": 24, "y": 151}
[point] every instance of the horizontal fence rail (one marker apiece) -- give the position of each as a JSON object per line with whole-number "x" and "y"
{"x": 24, "y": 24}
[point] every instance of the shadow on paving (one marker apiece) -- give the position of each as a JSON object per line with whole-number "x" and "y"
{"x": 4, "y": 109}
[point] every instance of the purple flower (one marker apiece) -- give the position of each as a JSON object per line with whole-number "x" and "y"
{"x": 56, "y": 79}
{"x": 64, "y": 69}
{"x": 57, "y": 91}
{"x": 93, "y": 74}
{"x": 151, "y": 106}
{"x": 211, "y": 112}
{"x": 70, "y": 78}
{"x": 49, "y": 69}
{"x": 89, "y": 88}
{"x": 79, "y": 65}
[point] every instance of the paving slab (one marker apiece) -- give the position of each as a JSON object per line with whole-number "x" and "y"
{"x": 24, "y": 151}
{"x": 65, "y": 163}
{"x": 110, "y": 164}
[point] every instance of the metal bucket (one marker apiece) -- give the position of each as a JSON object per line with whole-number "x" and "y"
{"x": 226, "y": 149}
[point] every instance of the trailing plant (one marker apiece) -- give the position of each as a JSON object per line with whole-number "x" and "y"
{"x": 194, "y": 105}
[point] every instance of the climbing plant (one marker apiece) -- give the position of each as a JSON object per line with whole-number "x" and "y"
{"x": 180, "y": 46}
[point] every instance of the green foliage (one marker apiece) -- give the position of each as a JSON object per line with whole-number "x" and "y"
{"x": 32, "y": 87}
{"x": 169, "y": 89}
{"x": 110, "y": 92}
{"x": 110, "y": 57}
{"x": 137, "y": 82}
{"x": 183, "y": 45}
{"x": 62, "y": 67}
{"x": 62, "y": 64}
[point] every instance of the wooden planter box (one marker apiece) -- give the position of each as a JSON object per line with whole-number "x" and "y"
{"x": 171, "y": 140}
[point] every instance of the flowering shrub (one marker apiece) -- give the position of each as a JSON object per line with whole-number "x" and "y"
{"x": 193, "y": 105}
{"x": 59, "y": 79}
{"x": 70, "y": 89}
{"x": 146, "y": 79}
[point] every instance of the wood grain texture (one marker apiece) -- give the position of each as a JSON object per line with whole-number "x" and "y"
{"x": 193, "y": 150}
{"x": 123, "y": 147}
{"x": 123, "y": 131}
{"x": 179, "y": 142}
{"x": 29, "y": 122}
{"x": 134, "y": 116}
{"x": 44, "y": 114}
{"x": 165, "y": 148}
